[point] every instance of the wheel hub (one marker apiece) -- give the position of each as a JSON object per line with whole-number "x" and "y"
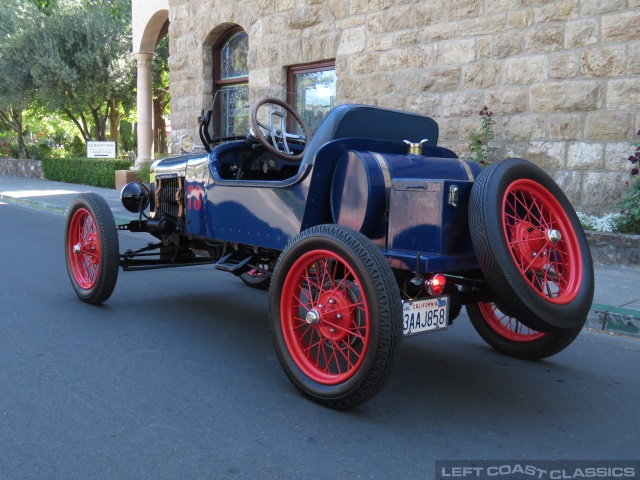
{"x": 553, "y": 236}
{"x": 313, "y": 317}
{"x": 530, "y": 244}
{"x": 333, "y": 314}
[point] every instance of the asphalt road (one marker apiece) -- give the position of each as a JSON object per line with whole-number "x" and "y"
{"x": 175, "y": 378}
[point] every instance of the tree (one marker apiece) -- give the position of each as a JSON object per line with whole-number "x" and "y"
{"x": 17, "y": 86}
{"x": 82, "y": 65}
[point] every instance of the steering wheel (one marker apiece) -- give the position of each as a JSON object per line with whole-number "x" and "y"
{"x": 274, "y": 137}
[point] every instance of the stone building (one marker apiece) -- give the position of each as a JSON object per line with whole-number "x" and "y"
{"x": 561, "y": 76}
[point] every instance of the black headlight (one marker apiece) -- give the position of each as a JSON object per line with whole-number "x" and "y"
{"x": 135, "y": 196}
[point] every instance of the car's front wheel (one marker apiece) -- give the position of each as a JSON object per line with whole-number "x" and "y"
{"x": 335, "y": 313}
{"x": 91, "y": 248}
{"x": 509, "y": 336}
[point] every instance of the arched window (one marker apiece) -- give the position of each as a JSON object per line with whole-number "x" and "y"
{"x": 231, "y": 84}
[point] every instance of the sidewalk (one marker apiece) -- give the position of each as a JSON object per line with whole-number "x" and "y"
{"x": 616, "y": 304}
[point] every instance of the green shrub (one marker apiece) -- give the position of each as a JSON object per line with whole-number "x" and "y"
{"x": 40, "y": 150}
{"x": 77, "y": 147}
{"x": 9, "y": 149}
{"x": 85, "y": 171}
{"x": 479, "y": 148}
{"x": 145, "y": 171}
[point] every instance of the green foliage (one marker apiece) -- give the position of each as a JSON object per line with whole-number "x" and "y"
{"x": 9, "y": 149}
{"x": 127, "y": 137}
{"x": 41, "y": 150}
{"x": 17, "y": 87}
{"x": 77, "y": 148}
{"x": 629, "y": 205}
{"x": 84, "y": 171}
{"x": 629, "y": 222}
{"x": 145, "y": 171}
{"x": 480, "y": 149}
{"x": 72, "y": 56}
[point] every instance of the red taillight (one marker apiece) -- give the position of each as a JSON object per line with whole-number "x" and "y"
{"x": 435, "y": 284}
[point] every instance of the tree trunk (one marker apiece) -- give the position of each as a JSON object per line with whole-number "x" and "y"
{"x": 160, "y": 126}
{"x": 23, "y": 147}
{"x": 14, "y": 120}
{"x": 80, "y": 123}
{"x": 99, "y": 122}
{"x": 114, "y": 125}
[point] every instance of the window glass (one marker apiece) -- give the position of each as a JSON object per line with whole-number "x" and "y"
{"x": 234, "y": 111}
{"x": 314, "y": 96}
{"x": 231, "y": 86}
{"x": 233, "y": 57}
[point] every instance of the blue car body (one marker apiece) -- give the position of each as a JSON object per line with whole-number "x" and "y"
{"x": 357, "y": 172}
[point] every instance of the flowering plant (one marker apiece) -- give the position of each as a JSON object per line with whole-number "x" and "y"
{"x": 629, "y": 221}
{"x": 8, "y": 150}
{"x": 479, "y": 148}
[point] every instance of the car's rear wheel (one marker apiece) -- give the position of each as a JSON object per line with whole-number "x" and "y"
{"x": 256, "y": 279}
{"x": 530, "y": 246}
{"x": 509, "y": 336}
{"x": 335, "y": 313}
{"x": 91, "y": 248}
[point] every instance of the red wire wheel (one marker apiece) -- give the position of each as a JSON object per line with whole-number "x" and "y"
{"x": 530, "y": 246}
{"x": 542, "y": 241}
{"x": 325, "y": 317}
{"x": 84, "y": 249}
{"x": 506, "y": 326}
{"x": 336, "y": 316}
{"x": 259, "y": 277}
{"x": 511, "y": 337}
{"x": 91, "y": 248}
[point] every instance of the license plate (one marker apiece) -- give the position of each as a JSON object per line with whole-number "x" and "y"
{"x": 426, "y": 315}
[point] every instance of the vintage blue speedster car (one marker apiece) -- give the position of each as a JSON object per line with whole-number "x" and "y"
{"x": 363, "y": 233}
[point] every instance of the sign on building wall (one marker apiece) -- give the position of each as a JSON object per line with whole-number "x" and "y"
{"x": 101, "y": 149}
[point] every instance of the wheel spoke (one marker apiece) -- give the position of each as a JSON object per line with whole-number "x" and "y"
{"x": 508, "y": 327}
{"x": 530, "y": 215}
{"x": 325, "y": 317}
{"x": 84, "y": 249}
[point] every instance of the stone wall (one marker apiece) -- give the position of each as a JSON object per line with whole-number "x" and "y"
{"x": 561, "y": 76}
{"x": 21, "y": 168}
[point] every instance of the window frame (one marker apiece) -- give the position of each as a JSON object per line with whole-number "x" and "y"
{"x": 218, "y": 82}
{"x": 293, "y": 70}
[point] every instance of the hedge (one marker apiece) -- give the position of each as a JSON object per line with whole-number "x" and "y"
{"x": 86, "y": 171}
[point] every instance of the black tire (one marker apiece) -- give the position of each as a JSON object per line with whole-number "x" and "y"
{"x": 508, "y": 336}
{"x": 91, "y": 248}
{"x": 531, "y": 247}
{"x": 335, "y": 360}
{"x": 256, "y": 280}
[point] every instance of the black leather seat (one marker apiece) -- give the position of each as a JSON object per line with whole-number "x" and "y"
{"x": 366, "y": 121}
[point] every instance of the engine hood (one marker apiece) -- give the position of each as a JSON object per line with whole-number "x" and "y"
{"x": 175, "y": 166}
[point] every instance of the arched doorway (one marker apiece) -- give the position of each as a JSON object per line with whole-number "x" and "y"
{"x": 150, "y": 23}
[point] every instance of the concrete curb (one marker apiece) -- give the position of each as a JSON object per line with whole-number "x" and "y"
{"x": 40, "y": 205}
{"x": 51, "y": 207}
{"x": 615, "y": 320}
